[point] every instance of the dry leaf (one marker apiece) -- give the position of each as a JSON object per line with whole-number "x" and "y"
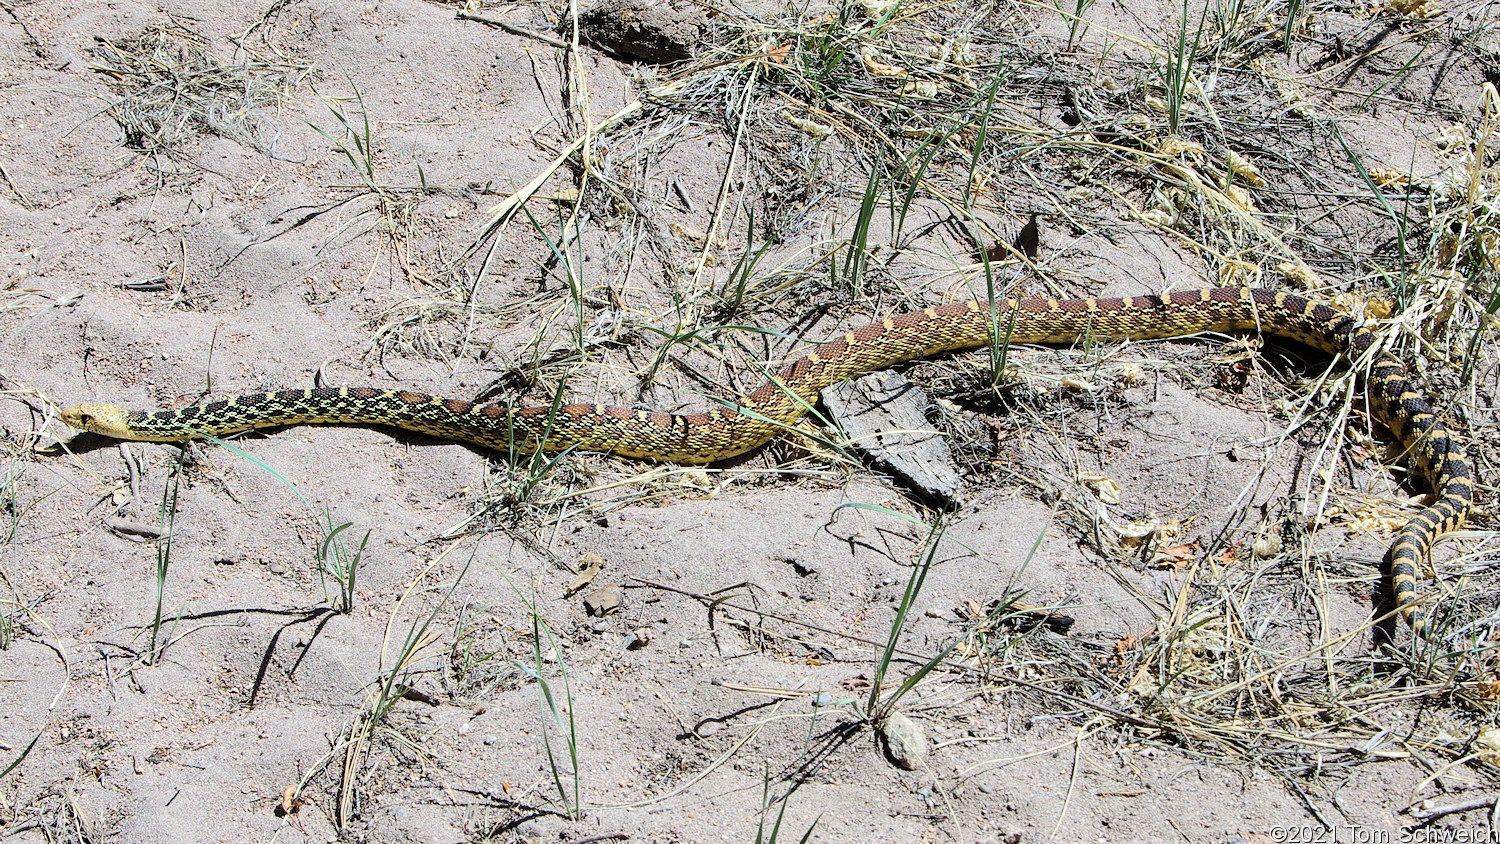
{"x": 1487, "y": 745}
{"x": 1081, "y": 384}
{"x": 1266, "y": 545}
{"x": 1176, "y": 556}
{"x": 1156, "y": 216}
{"x": 876, "y": 66}
{"x": 589, "y": 566}
{"x": 692, "y": 234}
{"x": 923, "y": 88}
{"x": 1235, "y": 273}
{"x": 1132, "y": 374}
{"x": 290, "y": 803}
{"x": 1375, "y": 308}
{"x": 1424, "y": 9}
{"x": 1245, "y": 170}
{"x": 698, "y": 479}
{"x": 1301, "y": 273}
{"x": 1386, "y": 177}
{"x": 1132, "y": 533}
{"x": 1104, "y": 487}
{"x": 811, "y": 127}
{"x": 1174, "y": 146}
{"x": 1374, "y": 520}
{"x": 1240, "y": 197}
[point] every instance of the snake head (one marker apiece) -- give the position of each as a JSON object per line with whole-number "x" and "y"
{"x": 106, "y": 419}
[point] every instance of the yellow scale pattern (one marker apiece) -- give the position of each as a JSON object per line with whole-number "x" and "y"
{"x": 756, "y": 418}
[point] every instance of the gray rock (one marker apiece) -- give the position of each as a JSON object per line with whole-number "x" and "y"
{"x": 905, "y": 743}
{"x": 656, "y": 31}
{"x": 602, "y": 601}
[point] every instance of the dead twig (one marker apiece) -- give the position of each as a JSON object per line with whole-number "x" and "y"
{"x": 522, "y": 31}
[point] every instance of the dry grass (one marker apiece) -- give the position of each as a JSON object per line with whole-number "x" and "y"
{"x": 173, "y": 88}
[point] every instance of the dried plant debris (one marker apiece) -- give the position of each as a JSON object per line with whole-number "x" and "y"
{"x": 172, "y": 88}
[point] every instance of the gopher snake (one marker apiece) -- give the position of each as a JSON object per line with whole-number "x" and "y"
{"x": 754, "y": 419}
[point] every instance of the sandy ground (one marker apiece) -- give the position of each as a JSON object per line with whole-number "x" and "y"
{"x": 146, "y": 278}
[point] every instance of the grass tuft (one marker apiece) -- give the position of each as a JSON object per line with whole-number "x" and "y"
{"x": 172, "y": 88}
{"x": 332, "y": 559}
{"x": 556, "y": 709}
{"x": 1182, "y": 55}
{"x": 168, "y": 519}
{"x": 395, "y": 680}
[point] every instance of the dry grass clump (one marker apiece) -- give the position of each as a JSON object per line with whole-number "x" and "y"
{"x": 172, "y": 88}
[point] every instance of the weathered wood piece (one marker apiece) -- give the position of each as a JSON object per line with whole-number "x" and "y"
{"x": 884, "y": 415}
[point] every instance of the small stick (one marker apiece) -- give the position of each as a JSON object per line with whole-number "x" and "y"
{"x": 14, "y": 188}
{"x": 133, "y": 474}
{"x": 514, "y": 30}
{"x": 1426, "y": 812}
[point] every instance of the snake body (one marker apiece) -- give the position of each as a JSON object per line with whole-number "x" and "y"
{"x": 756, "y": 418}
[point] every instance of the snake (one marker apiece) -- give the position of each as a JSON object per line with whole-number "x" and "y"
{"x": 753, "y": 419}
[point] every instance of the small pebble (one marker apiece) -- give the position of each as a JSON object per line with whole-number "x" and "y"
{"x": 905, "y": 743}
{"x": 822, "y": 699}
{"x": 491, "y": 741}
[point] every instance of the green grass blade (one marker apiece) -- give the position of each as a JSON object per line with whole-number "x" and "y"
{"x": 16, "y": 762}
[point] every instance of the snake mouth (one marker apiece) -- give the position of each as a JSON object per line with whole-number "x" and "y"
{"x": 77, "y": 417}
